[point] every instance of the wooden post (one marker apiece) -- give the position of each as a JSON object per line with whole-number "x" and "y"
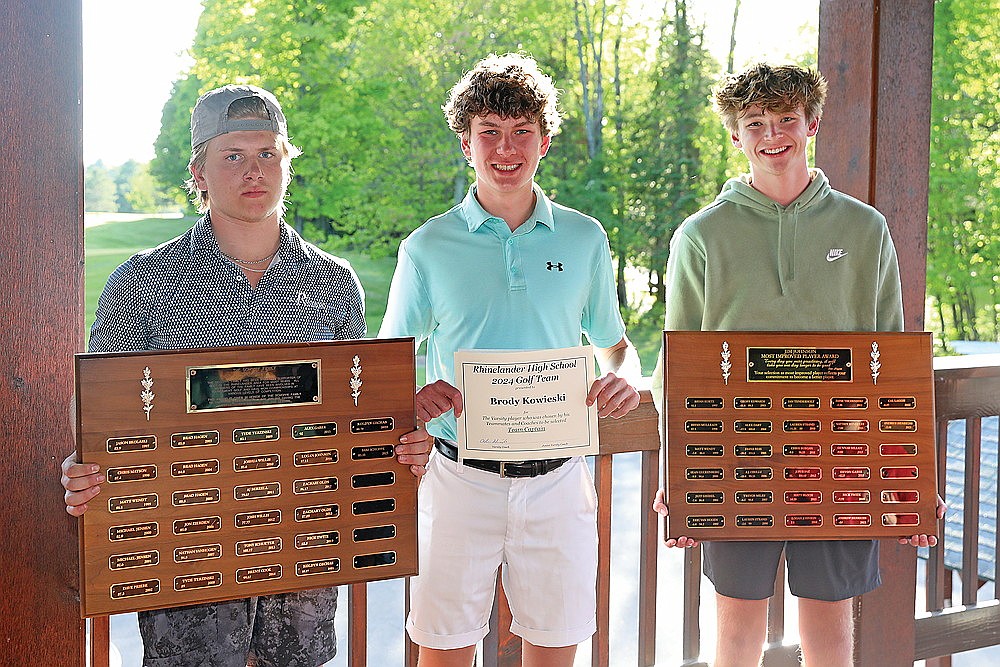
{"x": 874, "y": 145}
{"x": 41, "y": 260}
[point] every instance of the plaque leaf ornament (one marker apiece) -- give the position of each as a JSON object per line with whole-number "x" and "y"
{"x": 875, "y": 364}
{"x": 147, "y": 391}
{"x": 356, "y": 379}
{"x": 726, "y": 366}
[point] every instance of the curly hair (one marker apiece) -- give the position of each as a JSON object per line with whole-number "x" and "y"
{"x": 773, "y": 88}
{"x": 510, "y": 86}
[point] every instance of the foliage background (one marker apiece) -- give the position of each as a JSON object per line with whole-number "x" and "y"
{"x": 362, "y": 85}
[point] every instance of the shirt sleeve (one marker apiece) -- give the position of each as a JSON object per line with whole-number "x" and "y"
{"x": 602, "y": 319}
{"x": 685, "y": 284}
{"x": 889, "y": 304}
{"x": 122, "y": 319}
{"x": 408, "y": 310}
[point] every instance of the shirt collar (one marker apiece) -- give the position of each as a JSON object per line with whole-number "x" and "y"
{"x": 476, "y": 215}
{"x": 290, "y": 244}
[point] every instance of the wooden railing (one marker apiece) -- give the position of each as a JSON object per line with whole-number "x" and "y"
{"x": 966, "y": 388}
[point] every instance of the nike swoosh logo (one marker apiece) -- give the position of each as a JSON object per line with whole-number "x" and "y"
{"x": 835, "y": 254}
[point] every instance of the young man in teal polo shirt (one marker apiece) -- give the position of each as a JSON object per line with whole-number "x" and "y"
{"x": 506, "y": 269}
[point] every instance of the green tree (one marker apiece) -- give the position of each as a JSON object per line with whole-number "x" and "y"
{"x": 99, "y": 189}
{"x": 963, "y": 211}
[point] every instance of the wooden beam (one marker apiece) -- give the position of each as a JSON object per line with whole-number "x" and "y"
{"x": 41, "y": 260}
{"x": 874, "y": 144}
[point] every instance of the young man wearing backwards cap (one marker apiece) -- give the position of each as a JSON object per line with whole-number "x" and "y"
{"x": 239, "y": 276}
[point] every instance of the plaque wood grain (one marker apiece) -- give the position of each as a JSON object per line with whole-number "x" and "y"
{"x": 207, "y": 505}
{"x": 799, "y": 435}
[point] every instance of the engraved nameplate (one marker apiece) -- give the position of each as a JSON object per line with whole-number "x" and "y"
{"x": 142, "y": 443}
{"x": 897, "y": 402}
{"x": 195, "y": 497}
{"x": 204, "y": 524}
{"x": 753, "y": 473}
{"x": 313, "y": 567}
{"x": 801, "y": 426}
{"x": 135, "y": 588}
{"x": 197, "y": 552}
{"x": 801, "y": 520}
{"x": 798, "y": 364}
{"x": 191, "y": 468}
{"x": 144, "y": 501}
{"x": 133, "y": 531}
{"x": 852, "y": 519}
{"x": 849, "y": 403}
{"x": 247, "y": 575}
{"x": 745, "y": 426}
{"x": 754, "y": 496}
{"x": 800, "y": 403}
{"x": 259, "y": 518}
{"x": 327, "y": 538}
{"x": 315, "y": 457}
{"x": 852, "y": 472}
{"x": 850, "y": 426}
{"x": 703, "y": 403}
{"x": 803, "y": 473}
{"x": 256, "y": 434}
{"x": 316, "y": 512}
{"x": 194, "y": 439}
{"x": 801, "y": 450}
{"x": 704, "y": 497}
{"x": 263, "y": 545}
{"x": 701, "y": 426}
{"x": 372, "y": 425}
{"x": 851, "y": 496}
{"x": 373, "y": 452}
{"x": 705, "y": 450}
{"x": 803, "y": 497}
{"x": 258, "y": 462}
{"x": 323, "y": 430}
{"x": 754, "y": 520}
{"x": 706, "y": 521}
{"x": 135, "y": 559}
{"x": 130, "y": 473}
{"x": 252, "y": 491}
{"x": 752, "y": 403}
{"x": 841, "y": 449}
{"x": 753, "y": 450}
{"x": 189, "y": 582}
{"x": 703, "y": 473}
{"x": 897, "y": 425}
{"x": 316, "y": 485}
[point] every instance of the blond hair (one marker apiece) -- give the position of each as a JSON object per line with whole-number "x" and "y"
{"x": 773, "y": 88}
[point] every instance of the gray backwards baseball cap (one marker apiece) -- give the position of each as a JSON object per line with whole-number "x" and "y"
{"x": 210, "y": 116}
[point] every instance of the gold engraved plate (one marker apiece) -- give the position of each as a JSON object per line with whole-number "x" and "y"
{"x": 308, "y": 568}
{"x": 138, "y": 443}
{"x": 849, "y": 403}
{"x": 744, "y": 426}
{"x": 900, "y": 519}
{"x": 897, "y": 425}
{"x": 189, "y": 582}
{"x": 705, "y": 450}
{"x": 800, "y": 403}
{"x": 841, "y": 449}
{"x": 754, "y": 520}
{"x": 897, "y": 402}
{"x": 803, "y": 497}
{"x": 264, "y": 545}
{"x": 130, "y": 473}
{"x": 752, "y": 403}
{"x": 908, "y": 449}
{"x": 753, "y": 450}
{"x": 133, "y": 531}
{"x": 704, "y": 497}
{"x": 192, "y": 468}
{"x": 801, "y": 450}
{"x": 195, "y": 497}
{"x": 803, "y": 520}
{"x": 756, "y": 497}
{"x": 852, "y": 496}
{"x": 194, "y": 439}
{"x": 852, "y": 472}
{"x": 702, "y": 426}
{"x": 257, "y": 462}
{"x": 248, "y": 575}
{"x": 315, "y": 485}
{"x": 703, "y": 473}
{"x": 801, "y": 426}
{"x": 803, "y": 473}
{"x": 373, "y": 452}
{"x": 753, "y": 473}
{"x": 316, "y": 512}
{"x": 197, "y": 552}
{"x": 254, "y": 491}
{"x": 850, "y": 426}
{"x": 706, "y": 521}
{"x": 900, "y": 472}
{"x": 133, "y": 589}
{"x": 204, "y": 524}
{"x": 798, "y": 364}
{"x": 704, "y": 403}
{"x": 134, "y": 559}
{"x": 900, "y": 496}
{"x": 259, "y": 518}
{"x": 327, "y": 538}
{"x": 144, "y": 501}
{"x": 372, "y": 425}
{"x": 852, "y": 519}
{"x": 257, "y": 434}
{"x": 322, "y": 430}
{"x": 315, "y": 457}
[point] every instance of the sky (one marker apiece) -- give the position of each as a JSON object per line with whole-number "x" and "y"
{"x": 133, "y": 50}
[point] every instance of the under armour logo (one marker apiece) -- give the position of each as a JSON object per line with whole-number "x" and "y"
{"x": 556, "y": 265}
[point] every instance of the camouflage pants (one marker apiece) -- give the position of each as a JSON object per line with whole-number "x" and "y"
{"x": 287, "y": 630}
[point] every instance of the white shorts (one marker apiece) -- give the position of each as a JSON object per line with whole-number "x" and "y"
{"x": 542, "y": 530}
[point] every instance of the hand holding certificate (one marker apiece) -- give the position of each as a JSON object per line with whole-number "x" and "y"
{"x": 526, "y": 405}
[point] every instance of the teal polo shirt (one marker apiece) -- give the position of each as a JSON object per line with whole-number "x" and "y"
{"x": 464, "y": 281}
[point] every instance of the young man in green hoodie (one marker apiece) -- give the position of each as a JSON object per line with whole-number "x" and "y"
{"x": 779, "y": 249}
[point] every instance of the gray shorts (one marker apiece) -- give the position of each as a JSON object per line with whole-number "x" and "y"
{"x": 286, "y": 630}
{"x": 817, "y": 570}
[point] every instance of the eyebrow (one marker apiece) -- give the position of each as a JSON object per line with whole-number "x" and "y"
{"x": 240, "y": 149}
{"x": 521, "y": 123}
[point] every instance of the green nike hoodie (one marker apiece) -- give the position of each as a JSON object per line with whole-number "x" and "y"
{"x": 825, "y": 262}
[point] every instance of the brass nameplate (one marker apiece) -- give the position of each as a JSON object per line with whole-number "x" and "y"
{"x": 238, "y": 472}
{"x": 799, "y": 435}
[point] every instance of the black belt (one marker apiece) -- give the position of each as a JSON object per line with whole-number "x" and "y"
{"x": 502, "y": 468}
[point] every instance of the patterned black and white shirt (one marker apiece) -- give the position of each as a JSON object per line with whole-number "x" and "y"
{"x": 185, "y": 294}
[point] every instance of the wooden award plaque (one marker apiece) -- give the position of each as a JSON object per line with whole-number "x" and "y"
{"x": 244, "y": 471}
{"x": 799, "y": 435}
